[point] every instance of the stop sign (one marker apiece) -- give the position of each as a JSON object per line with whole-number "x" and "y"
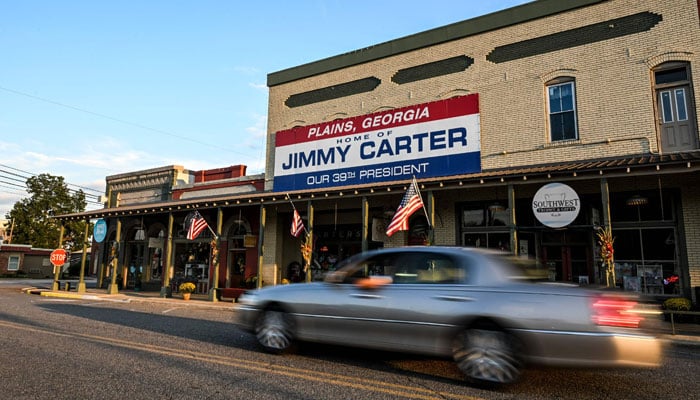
{"x": 58, "y": 257}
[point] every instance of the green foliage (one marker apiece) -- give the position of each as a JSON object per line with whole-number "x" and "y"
{"x": 34, "y": 224}
{"x": 677, "y": 304}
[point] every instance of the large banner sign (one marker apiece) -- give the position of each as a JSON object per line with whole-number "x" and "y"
{"x": 441, "y": 138}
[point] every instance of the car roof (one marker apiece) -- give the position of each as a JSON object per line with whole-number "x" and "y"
{"x": 489, "y": 266}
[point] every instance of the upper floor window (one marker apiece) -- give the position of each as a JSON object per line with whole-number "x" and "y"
{"x": 561, "y": 106}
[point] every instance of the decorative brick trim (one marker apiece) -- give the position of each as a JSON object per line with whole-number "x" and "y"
{"x": 432, "y": 69}
{"x": 668, "y": 56}
{"x": 605, "y": 30}
{"x": 560, "y": 72}
{"x": 333, "y": 92}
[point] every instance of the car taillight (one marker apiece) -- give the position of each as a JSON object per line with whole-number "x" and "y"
{"x": 615, "y": 312}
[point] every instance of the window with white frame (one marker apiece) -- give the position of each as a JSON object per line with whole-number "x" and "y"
{"x": 13, "y": 263}
{"x": 561, "y": 106}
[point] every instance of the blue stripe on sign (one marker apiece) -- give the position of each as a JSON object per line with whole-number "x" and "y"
{"x": 429, "y": 167}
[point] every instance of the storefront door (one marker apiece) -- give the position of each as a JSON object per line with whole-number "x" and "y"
{"x": 567, "y": 254}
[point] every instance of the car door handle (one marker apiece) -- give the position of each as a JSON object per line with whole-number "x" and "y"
{"x": 366, "y": 296}
{"x": 454, "y": 298}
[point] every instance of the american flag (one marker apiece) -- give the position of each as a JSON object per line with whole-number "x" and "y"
{"x": 197, "y": 224}
{"x": 297, "y": 225}
{"x": 410, "y": 203}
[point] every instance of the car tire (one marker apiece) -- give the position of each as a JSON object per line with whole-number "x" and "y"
{"x": 273, "y": 331}
{"x": 487, "y": 356}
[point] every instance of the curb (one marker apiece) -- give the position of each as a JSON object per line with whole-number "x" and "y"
{"x": 121, "y": 298}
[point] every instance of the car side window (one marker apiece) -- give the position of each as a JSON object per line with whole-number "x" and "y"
{"x": 437, "y": 268}
{"x": 381, "y": 265}
{"x": 410, "y": 268}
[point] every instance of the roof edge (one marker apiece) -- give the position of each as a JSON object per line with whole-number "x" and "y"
{"x": 458, "y": 30}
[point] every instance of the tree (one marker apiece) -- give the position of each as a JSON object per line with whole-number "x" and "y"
{"x": 33, "y": 217}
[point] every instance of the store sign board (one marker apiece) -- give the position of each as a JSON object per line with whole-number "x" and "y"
{"x": 99, "y": 232}
{"x": 556, "y": 205}
{"x": 250, "y": 241}
{"x": 434, "y": 139}
{"x": 155, "y": 243}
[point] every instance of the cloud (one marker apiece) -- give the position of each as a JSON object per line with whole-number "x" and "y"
{"x": 258, "y": 86}
{"x": 259, "y": 127}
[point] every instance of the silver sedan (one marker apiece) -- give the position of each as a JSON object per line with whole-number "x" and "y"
{"x": 471, "y": 305}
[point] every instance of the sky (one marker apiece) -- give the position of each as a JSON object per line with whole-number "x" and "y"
{"x": 90, "y": 89}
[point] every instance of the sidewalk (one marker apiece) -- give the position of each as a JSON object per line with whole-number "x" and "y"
{"x": 688, "y": 334}
{"x": 127, "y": 296}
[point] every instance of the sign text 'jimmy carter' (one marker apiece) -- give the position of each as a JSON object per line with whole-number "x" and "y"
{"x": 441, "y": 138}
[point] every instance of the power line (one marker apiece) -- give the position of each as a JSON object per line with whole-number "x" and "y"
{"x": 122, "y": 121}
{"x": 14, "y": 190}
{"x": 24, "y": 186}
{"x": 33, "y": 174}
{"x": 14, "y": 184}
{"x": 11, "y": 178}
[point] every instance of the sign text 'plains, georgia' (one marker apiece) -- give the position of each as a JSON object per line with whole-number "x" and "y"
{"x": 426, "y": 140}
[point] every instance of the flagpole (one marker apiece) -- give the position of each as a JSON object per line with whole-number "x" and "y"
{"x": 295, "y": 209}
{"x": 415, "y": 185}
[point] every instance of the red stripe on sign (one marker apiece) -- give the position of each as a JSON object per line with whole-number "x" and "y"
{"x": 419, "y": 113}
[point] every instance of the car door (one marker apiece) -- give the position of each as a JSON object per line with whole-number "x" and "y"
{"x": 351, "y": 312}
{"x": 423, "y": 310}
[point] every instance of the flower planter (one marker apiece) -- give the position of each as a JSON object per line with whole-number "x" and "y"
{"x": 186, "y": 296}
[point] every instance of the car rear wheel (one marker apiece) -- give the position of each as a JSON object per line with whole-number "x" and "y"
{"x": 274, "y": 331}
{"x": 487, "y": 356}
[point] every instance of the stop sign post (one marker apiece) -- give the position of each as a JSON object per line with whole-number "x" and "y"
{"x": 57, "y": 258}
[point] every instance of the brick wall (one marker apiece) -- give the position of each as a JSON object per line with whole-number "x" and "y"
{"x": 614, "y": 92}
{"x": 615, "y": 97}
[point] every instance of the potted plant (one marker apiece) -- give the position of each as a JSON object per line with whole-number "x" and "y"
{"x": 187, "y": 288}
{"x": 677, "y": 304}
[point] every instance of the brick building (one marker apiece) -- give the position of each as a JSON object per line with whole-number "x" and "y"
{"x": 597, "y": 96}
{"x": 24, "y": 260}
{"x": 528, "y": 130}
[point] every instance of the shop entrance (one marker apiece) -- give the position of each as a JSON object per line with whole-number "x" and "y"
{"x": 568, "y": 256}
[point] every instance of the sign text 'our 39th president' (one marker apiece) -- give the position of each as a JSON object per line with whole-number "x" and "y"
{"x": 426, "y": 140}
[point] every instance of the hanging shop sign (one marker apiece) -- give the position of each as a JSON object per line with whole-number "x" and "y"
{"x": 440, "y": 138}
{"x": 99, "y": 232}
{"x": 556, "y": 205}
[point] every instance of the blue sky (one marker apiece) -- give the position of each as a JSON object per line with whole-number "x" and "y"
{"x": 90, "y": 89}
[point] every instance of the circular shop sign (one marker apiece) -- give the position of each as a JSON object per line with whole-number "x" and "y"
{"x": 556, "y": 205}
{"x": 99, "y": 231}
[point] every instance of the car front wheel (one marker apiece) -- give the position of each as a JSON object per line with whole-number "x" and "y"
{"x": 274, "y": 331}
{"x": 487, "y": 356}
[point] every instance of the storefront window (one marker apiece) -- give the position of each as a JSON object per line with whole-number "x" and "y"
{"x": 192, "y": 263}
{"x": 645, "y": 242}
{"x": 485, "y": 225}
{"x": 333, "y": 243}
{"x": 492, "y": 214}
{"x": 645, "y": 260}
{"x": 498, "y": 240}
{"x": 642, "y": 206}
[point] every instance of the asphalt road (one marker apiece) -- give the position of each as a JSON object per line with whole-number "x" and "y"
{"x": 56, "y": 348}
